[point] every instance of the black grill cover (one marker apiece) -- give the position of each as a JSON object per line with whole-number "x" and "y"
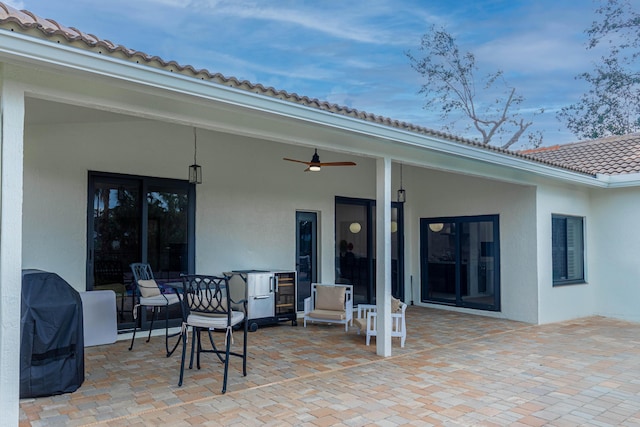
{"x": 51, "y": 336}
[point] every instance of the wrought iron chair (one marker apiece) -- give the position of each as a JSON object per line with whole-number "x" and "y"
{"x": 151, "y": 295}
{"x": 208, "y": 306}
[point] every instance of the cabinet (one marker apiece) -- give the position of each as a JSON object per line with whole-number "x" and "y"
{"x": 270, "y": 294}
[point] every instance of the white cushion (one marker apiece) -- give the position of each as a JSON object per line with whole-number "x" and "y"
{"x": 330, "y": 298}
{"x": 148, "y": 288}
{"x": 211, "y": 322}
{"x": 396, "y": 304}
{"x": 160, "y": 300}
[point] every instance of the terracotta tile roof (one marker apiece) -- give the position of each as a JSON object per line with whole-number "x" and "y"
{"x": 25, "y": 22}
{"x": 614, "y": 155}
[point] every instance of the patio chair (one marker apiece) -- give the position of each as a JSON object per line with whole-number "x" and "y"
{"x": 367, "y": 320}
{"x": 208, "y": 306}
{"x": 329, "y": 303}
{"x": 151, "y": 295}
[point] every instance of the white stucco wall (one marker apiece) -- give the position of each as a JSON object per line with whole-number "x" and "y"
{"x": 245, "y": 215}
{"x": 569, "y": 301}
{"x": 433, "y": 194}
{"x": 615, "y": 250}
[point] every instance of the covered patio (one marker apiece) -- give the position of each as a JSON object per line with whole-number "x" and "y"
{"x": 456, "y": 369}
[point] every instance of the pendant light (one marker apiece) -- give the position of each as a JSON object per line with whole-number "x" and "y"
{"x": 402, "y": 195}
{"x": 195, "y": 171}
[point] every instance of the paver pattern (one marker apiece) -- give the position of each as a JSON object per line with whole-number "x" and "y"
{"x": 455, "y": 370}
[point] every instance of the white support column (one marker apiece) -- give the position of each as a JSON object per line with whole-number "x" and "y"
{"x": 383, "y": 256}
{"x": 11, "y": 169}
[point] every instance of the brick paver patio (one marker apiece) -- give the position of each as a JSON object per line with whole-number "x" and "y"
{"x": 456, "y": 370}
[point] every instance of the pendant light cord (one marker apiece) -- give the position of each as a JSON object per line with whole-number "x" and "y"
{"x": 195, "y": 146}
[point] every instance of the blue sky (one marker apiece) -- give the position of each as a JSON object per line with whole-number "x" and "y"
{"x": 353, "y": 53}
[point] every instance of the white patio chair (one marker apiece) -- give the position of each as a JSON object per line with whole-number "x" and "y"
{"x": 368, "y": 315}
{"x": 329, "y": 303}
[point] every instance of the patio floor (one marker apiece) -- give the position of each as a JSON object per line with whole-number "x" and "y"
{"x": 455, "y": 370}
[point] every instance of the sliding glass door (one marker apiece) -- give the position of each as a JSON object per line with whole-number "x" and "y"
{"x": 460, "y": 261}
{"x": 137, "y": 219}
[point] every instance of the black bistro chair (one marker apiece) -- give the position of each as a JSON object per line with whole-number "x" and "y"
{"x": 151, "y": 295}
{"x": 207, "y": 306}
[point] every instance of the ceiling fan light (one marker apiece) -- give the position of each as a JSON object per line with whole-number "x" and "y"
{"x": 314, "y": 168}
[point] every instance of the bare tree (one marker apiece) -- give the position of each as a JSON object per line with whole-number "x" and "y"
{"x": 611, "y": 106}
{"x": 451, "y": 87}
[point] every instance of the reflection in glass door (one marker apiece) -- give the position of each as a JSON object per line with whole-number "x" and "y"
{"x": 355, "y": 248}
{"x": 137, "y": 219}
{"x": 306, "y": 253}
{"x": 354, "y": 240}
{"x": 460, "y": 261}
{"x": 167, "y": 233}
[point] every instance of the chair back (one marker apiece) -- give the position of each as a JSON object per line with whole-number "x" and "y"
{"x": 206, "y": 295}
{"x": 141, "y": 271}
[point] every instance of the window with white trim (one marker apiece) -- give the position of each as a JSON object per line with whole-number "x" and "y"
{"x": 567, "y": 235}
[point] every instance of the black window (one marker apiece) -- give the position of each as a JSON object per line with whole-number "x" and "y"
{"x": 567, "y": 235}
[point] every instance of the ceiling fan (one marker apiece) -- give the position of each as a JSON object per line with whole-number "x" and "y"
{"x": 315, "y": 164}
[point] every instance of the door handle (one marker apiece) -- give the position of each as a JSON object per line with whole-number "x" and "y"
{"x": 262, "y": 297}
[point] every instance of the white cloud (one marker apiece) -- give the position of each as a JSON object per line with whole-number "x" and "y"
{"x": 15, "y": 4}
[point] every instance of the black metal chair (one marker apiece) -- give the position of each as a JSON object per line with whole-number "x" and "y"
{"x": 151, "y": 295}
{"x": 207, "y": 306}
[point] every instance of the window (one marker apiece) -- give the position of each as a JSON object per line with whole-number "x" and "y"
{"x": 567, "y": 235}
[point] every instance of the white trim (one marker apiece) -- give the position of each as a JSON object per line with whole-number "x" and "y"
{"x": 11, "y": 183}
{"x": 383, "y": 256}
{"x": 620, "y": 181}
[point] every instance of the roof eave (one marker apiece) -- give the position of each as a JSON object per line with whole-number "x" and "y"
{"x": 36, "y": 50}
{"x": 620, "y": 181}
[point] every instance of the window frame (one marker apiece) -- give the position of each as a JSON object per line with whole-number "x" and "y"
{"x": 567, "y": 250}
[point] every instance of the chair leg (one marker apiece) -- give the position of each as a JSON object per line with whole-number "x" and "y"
{"x": 226, "y": 361}
{"x": 213, "y": 346}
{"x": 198, "y": 348}
{"x": 244, "y": 348}
{"x": 135, "y": 326}
{"x": 153, "y": 316}
{"x": 185, "y": 331}
{"x": 167, "y": 336}
{"x": 193, "y": 345}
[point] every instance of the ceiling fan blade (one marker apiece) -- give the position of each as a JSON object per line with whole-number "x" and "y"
{"x": 294, "y": 160}
{"x": 338, "y": 164}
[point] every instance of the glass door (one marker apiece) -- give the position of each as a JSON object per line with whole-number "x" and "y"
{"x": 460, "y": 261}
{"x": 306, "y": 253}
{"x": 138, "y": 219}
{"x": 355, "y": 248}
